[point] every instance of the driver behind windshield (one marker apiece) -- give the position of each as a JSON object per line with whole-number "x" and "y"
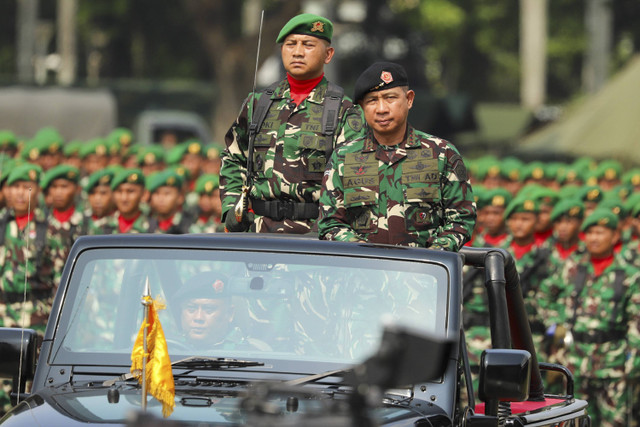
{"x": 206, "y": 314}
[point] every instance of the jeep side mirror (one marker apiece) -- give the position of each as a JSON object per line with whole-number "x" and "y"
{"x": 16, "y": 346}
{"x": 504, "y": 375}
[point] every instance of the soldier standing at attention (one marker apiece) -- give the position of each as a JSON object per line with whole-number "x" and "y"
{"x": 596, "y": 299}
{"x": 278, "y": 147}
{"x": 99, "y": 216}
{"x": 209, "y": 205}
{"x": 166, "y": 203}
{"x": 396, "y": 185}
{"x": 66, "y": 223}
{"x": 128, "y": 192}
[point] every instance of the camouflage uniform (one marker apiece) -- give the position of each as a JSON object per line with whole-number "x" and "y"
{"x": 96, "y": 226}
{"x": 413, "y": 194}
{"x": 65, "y": 234}
{"x": 211, "y": 225}
{"x": 142, "y": 224}
{"x": 290, "y": 153}
{"x": 603, "y": 316}
{"x": 180, "y": 224}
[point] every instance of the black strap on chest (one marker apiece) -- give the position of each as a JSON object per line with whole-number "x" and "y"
{"x": 525, "y": 278}
{"x": 331, "y": 109}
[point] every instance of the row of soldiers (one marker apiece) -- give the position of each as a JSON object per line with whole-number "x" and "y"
{"x": 50, "y": 195}
{"x": 574, "y": 232}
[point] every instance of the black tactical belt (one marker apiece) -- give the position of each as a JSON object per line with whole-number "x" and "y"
{"x": 279, "y": 210}
{"x": 599, "y": 337}
{"x": 13, "y": 297}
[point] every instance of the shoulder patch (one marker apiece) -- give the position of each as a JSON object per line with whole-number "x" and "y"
{"x": 355, "y": 122}
{"x": 459, "y": 168}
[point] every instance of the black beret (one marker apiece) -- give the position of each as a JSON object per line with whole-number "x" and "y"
{"x": 380, "y": 76}
{"x": 208, "y": 284}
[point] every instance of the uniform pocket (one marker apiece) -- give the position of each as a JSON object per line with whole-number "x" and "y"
{"x": 360, "y": 206}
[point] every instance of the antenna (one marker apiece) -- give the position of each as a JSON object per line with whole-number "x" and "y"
{"x": 24, "y": 298}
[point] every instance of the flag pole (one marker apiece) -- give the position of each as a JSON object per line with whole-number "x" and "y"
{"x": 146, "y": 302}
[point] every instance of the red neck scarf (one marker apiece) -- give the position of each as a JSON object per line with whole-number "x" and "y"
{"x": 165, "y": 224}
{"x": 64, "y": 216}
{"x": 23, "y": 220}
{"x": 519, "y": 251}
{"x": 495, "y": 241}
{"x": 541, "y": 236}
{"x": 124, "y": 224}
{"x": 300, "y": 89}
{"x": 564, "y": 253}
{"x": 600, "y": 264}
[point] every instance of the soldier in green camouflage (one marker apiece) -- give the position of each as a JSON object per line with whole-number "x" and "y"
{"x": 128, "y": 192}
{"x": 66, "y": 223}
{"x": 209, "y": 205}
{"x": 99, "y": 217}
{"x": 595, "y": 301}
{"x": 396, "y": 185}
{"x": 305, "y": 118}
{"x": 166, "y": 203}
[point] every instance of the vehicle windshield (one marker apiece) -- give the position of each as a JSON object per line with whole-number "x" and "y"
{"x": 247, "y": 305}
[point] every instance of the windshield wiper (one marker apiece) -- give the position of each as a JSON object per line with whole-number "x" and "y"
{"x": 199, "y": 362}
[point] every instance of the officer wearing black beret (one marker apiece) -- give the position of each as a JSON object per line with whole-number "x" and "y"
{"x": 397, "y": 185}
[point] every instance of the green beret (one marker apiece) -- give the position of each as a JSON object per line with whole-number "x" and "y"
{"x": 72, "y": 148}
{"x": 95, "y": 146}
{"x": 615, "y": 205}
{"x": 609, "y": 170}
{"x": 175, "y": 155}
{"x": 101, "y": 177}
{"x": 573, "y": 208}
{"x": 8, "y": 139}
{"x": 632, "y": 177}
{"x": 68, "y": 172}
{"x": 150, "y": 154}
{"x": 308, "y": 24}
{"x": 182, "y": 171}
{"x": 478, "y": 193}
{"x": 522, "y": 204}
{"x": 6, "y": 167}
{"x": 534, "y": 170}
{"x": 591, "y": 193}
{"x": 121, "y": 136}
{"x": 207, "y": 183}
{"x": 512, "y": 169}
{"x": 49, "y": 140}
{"x": 25, "y": 172}
{"x": 591, "y": 177}
{"x": 131, "y": 176}
{"x": 167, "y": 177}
{"x": 498, "y": 197}
{"x": 635, "y": 210}
{"x": 621, "y": 191}
{"x": 546, "y": 196}
{"x": 601, "y": 216}
{"x": 31, "y": 150}
{"x": 208, "y": 284}
{"x": 569, "y": 191}
{"x": 570, "y": 175}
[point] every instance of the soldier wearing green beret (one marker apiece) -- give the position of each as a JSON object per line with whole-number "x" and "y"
{"x": 512, "y": 175}
{"x": 101, "y": 206}
{"x": 277, "y": 161}
{"x": 94, "y": 155}
{"x": 590, "y": 195}
{"x": 632, "y": 179}
{"x": 212, "y": 161}
{"x": 8, "y": 143}
{"x": 166, "y": 201}
{"x": 531, "y": 259}
{"x": 547, "y": 199}
{"x": 397, "y": 185}
{"x": 189, "y": 154}
{"x": 151, "y": 159}
{"x": 595, "y": 302}
{"x": 493, "y": 204}
{"x": 66, "y": 223}
{"x": 71, "y": 153}
{"x": 25, "y": 218}
{"x": 209, "y": 205}
{"x": 119, "y": 139}
{"x": 609, "y": 173}
{"x": 129, "y": 192}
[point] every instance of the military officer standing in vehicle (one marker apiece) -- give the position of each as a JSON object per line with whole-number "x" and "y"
{"x": 396, "y": 185}
{"x": 278, "y": 147}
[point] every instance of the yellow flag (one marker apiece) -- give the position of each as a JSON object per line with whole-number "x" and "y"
{"x": 159, "y": 375}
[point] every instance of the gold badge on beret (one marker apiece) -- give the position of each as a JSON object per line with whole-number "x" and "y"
{"x": 616, "y": 210}
{"x": 213, "y": 154}
{"x": 133, "y": 177}
{"x": 208, "y": 186}
{"x": 574, "y": 211}
{"x": 33, "y": 174}
{"x": 171, "y": 180}
{"x": 101, "y": 150}
{"x": 497, "y": 201}
{"x": 529, "y": 205}
{"x": 194, "y": 148}
{"x": 593, "y": 194}
{"x": 592, "y": 180}
{"x": 603, "y": 221}
{"x": 54, "y": 147}
{"x": 34, "y": 153}
{"x": 572, "y": 175}
{"x": 317, "y": 26}
{"x": 610, "y": 174}
{"x": 514, "y": 175}
{"x": 125, "y": 139}
{"x": 493, "y": 171}
{"x": 537, "y": 173}
{"x": 104, "y": 180}
{"x": 149, "y": 158}
{"x": 71, "y": 174}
